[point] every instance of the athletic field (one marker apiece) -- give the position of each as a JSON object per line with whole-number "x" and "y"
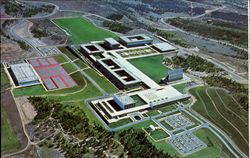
{"x": 82, "y": 30}
{"x": 151, "y": 66}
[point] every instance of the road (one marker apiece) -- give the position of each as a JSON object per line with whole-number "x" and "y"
{"x": 34, "y": 17}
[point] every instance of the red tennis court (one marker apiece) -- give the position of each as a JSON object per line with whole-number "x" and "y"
{"x": 52, "y": 74}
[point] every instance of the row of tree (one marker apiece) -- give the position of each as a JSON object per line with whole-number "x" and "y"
{"x": 116, "y": 26}
{"x": 193, "y": 62}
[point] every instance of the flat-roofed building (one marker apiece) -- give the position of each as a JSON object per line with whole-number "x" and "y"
{"x": 111, "y": 43}
{"x": 152, "y": 98}
{"x": 91, "y": 48}
{"x": 164, "y": 47}
{"x": 135, "y": 40}
{"x": 174, "y": 75}
{"x": 124, "y": 100}
{"x": 24, "y": 74}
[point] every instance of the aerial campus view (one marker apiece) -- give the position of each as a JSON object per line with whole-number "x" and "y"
{"x": 124, "y": 79}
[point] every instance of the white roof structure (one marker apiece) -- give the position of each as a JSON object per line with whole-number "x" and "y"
{"x": 24, "y": 72}
{"x": 156, "y": 95}
{"x": 124, "y": 98}
{"x": 164, "y": 47}
{"x": 112, "y": 41}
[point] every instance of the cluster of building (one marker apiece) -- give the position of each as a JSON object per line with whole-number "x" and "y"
{"x": 105, "y": 57}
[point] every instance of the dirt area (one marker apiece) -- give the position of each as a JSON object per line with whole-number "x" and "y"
{"x": 11, "y": 51}
{"x": 27, "y": 110}
{"x": 9, "y": 105}
{"x": 24, "y": 29}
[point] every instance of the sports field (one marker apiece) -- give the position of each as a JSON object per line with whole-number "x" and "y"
{"x": 221, "y": 109}
{"x": 8, "y": 137}
{"x": 82, "y": 30}
{"x": 151, "y": 66}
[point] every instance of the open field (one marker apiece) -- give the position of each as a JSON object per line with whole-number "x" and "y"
{"x": 67, "y": 52}
{"x": 210, "y": 106}
{"x": 82, "y": 30}
{"x": 8, "y": 136}
{"x": 151, "y": 66}
{"x": 102, "y": 81}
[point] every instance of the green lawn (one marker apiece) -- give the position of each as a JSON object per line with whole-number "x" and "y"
{"x": 69, "y": 67}
{"x": 102, "y": 81}
{"x": 165, "y": 124}
{"x": 67, "y": 52}
{"x": 205, "y": 107}
{"x": 180, "y": 87}
{"x": 158, "y": 134}
{"x": 60, "y": 58}
{"x": 120, "y": 123}
{"x": 82, "y": 30}
{"x": 152, "y": 112}
{"x": 80, "y": 64}
{"x": 168, "y": 108}
{"x": 8, "y": 137}
{"x": 5, "y": 82}
{"x": 151, "y": 66}
{"x": 138, "y": 100}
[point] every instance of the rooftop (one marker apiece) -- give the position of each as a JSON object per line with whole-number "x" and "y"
{"x": 135, "y": 38}
{"x": 124, "y": 98}
{"x": 164, "y": 46}
{"x": 92, "y": 48}
{"x": 112, "y": 41}
{"x": 23, "y": 72}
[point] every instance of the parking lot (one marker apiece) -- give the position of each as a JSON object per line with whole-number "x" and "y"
{"x": 48, "y": 51}
{"x": 187, "y": 143}
{"x": 178, "y": 121}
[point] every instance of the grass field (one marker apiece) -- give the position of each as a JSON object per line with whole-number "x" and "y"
{"x": 5, "y": 82}
{"x": 60, "y": 58}
{"x": 82, "y": 30}
{"x": 8, "y": 136}
{"x": 151, "y": 66}
{"x": 180, "y": 87}
{"x": 120, "y": 123}
{"x": 210, "y": 105}
{"x": 80, "y": 64}
{"x": 138, "y": 100}
{"x": 168, "y": 108}
{"x": 69, "y": 67}
{"x": 67, "y": 52}
{"x": 166, "y": 125}
{"x": 158, "y": 134}
{"x": 102, "y": 81}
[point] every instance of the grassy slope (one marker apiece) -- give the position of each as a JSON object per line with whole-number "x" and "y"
{"x": 69, "y": 67}
{"x": 102, "y": 81}
{"x": 152, "y": 66}
{"x": 8, "y": 137}
{"x": 60, "y": 58}
{"x": 80, "y": 64}
{"x": 180, "y": 87}
{"x": 5, "y": 82}
{"x": 205, "y": 107}
{"x": 82, "y": 30}
{"x": 67, "y": 52}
